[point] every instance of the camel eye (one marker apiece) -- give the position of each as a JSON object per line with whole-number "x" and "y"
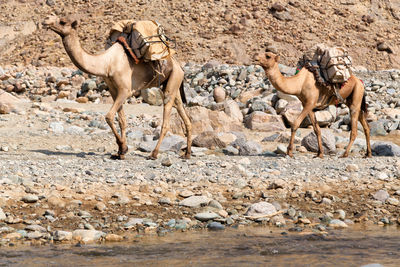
{"x": 62, "y": 22}
{"x": 268, "y": 57}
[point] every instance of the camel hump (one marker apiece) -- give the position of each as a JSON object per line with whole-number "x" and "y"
{"x": 146, "y": 38}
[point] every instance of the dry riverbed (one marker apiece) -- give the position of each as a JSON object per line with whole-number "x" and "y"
{"x": 60, "y": 185}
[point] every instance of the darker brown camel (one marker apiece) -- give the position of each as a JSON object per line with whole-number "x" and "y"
{"x": 313, "y": 96}
{"x": 125, "y": 78}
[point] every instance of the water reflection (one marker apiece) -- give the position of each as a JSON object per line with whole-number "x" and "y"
{"x": 258, "y": 246}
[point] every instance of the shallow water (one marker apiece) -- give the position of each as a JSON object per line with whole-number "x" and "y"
{"x": 250, "y": 246}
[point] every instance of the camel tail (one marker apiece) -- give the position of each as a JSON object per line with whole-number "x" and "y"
{"x": 182, "y": 92}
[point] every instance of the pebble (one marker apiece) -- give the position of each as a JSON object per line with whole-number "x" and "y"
{"x": 30, "y": 198}
{"x": 62, "y": 235}
{"x": 261, "y": 208}
{"x": 113, "y": 238}
{"x": 337, "y": 224}
{"x": 2, "y": 215}
{"x": 342, "y": 214}
{"x": 87, "y": 236}
{"x": 100, "y": 206}
{"x": 195, "y": 201}
{"x": 215, "y": 226}
{"x": 381, "y": 195}
{"x": 393, "y": 201}
{"x": 206, "y": 216}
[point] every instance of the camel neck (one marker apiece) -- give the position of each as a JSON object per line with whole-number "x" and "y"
{"x": 288, "y": 85}
{"x": 92, "y": 64}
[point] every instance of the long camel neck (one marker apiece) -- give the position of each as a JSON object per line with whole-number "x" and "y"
{"x": 287, "y": 85}
{"x": 92, "y": 64}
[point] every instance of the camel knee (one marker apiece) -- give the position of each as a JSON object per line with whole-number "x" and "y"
{"x": 109, "y": 118}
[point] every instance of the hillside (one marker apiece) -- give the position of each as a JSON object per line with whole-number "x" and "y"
{"x": 229, "y": 31}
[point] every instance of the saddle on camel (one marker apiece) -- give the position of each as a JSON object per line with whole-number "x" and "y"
{"x": 330, "y": 66}
{"x": 143, "y": 40}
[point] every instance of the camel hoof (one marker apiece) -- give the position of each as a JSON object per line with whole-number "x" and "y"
{"x": 186, "y": 156}
{"x": 151, "y": 157}
{"x": 344, "y": 156}
{"x": 123, "y": 150}
{"x": 117, "y": 156}
{"x": 368, "y": 155}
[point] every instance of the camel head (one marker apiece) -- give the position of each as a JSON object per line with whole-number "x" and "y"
{"x": 267, "y": 60}
{"x": 62, "y": 26}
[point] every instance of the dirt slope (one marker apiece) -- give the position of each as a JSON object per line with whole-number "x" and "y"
{"x": 230, "y": 31}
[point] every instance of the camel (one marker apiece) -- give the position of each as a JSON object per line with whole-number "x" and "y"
{"x": 125, "y": 78}
{"x": 314, "y": 96}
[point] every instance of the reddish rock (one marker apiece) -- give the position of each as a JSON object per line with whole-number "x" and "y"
{"x": 261, "y": 121}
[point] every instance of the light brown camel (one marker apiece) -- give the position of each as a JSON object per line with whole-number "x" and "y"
{"x": 125, "y": 78}
{"x": 313, "y": 96}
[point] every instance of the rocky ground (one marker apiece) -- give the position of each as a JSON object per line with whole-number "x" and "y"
{"x": 58, "y": 184}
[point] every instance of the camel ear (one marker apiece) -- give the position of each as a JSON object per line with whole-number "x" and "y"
{"x": 277, "y": 58}
{"x": 75, "y": 24}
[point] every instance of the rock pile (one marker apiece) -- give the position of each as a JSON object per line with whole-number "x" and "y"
{"x": 221, "y": 98}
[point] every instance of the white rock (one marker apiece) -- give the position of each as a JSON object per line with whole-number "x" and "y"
{"x": 87, "y": 236}
{"x": 195, "y": 201}
{"x": 261, "y": 208}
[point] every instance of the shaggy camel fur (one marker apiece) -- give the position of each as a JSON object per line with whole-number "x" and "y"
{"x": 124, "y": 78}
{"x": 312, "y": 96}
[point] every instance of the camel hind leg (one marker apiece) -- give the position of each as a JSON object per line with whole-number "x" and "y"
{"x": 354, "y": 113}
{"x": 188, "y": 125}
{"x": 317, "y": 131}
{"x": 363, "y": 120}
{"x": 172, "y": 88}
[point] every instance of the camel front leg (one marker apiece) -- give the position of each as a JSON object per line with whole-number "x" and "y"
{"x": 295, "y": 126}
{"x": 188, "y": 125}
{"x": 117, "y": 106}
{"x": 171, "y": 90}
{"x": 317, "y": 131}
{"x": 362, "y": 118}
{"x": 353, "y": 134}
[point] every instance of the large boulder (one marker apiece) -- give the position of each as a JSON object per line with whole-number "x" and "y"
{"x": 170, "y": 143}
{"x": 212, "y": 139}
{"x": 280, "y": 105}
{"x": 203, "y": 120}
{"x": 261, "y": 121}
{"x": 291, "y": 112}
{"x": 260, "y": 105}
{"x": 380, "y": 148}
{"x": 247, "y": 95}
{"x": 288, "y": 98}
{"x": 232, "y": 109}
{"x": 8, "y": 102}
{"x": 328, "y": 142}
{"x": 324, "y": 118}
{"x": 246, "y": 147}
{"x": 152, "y": 96}
{"x": 377, "y": 128}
